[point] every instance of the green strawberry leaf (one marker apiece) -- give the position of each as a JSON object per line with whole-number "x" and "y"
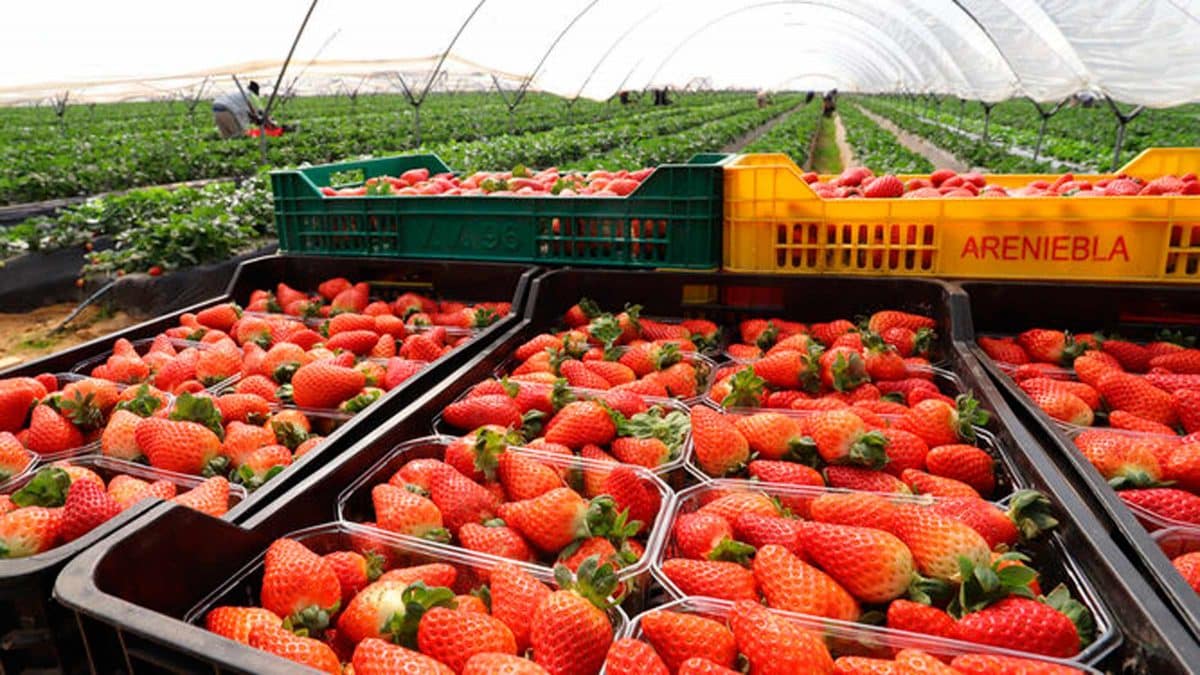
{"x": 418, "y": 598}
{"x": 198, "y": 409}
{"x": 1085, "y": 624}
{"x": 48, "y": 488}
{"x": 731, "y": 550}
{"x": 289, "y": 434}
{"x": 1031, "y": 511}
{"x": 745, "y": 390}
{"x": 672, "y": 428}
{"x": 82, "y": 411}
{"x": 768, "y": 337}
{"x": 284, "y": 372}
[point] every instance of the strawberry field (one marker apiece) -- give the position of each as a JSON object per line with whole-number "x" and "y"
{"x": 615, "y": 338}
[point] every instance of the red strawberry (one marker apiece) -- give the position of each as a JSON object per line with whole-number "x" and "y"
{"x": 1051, "y": 346}
{"x": 1132, "y": 356}
{"x": 50, "y": 431}
{"x": 720, "y": 448}
{"x": 30, "y": 530}
{"x": 453, "y": 637}
{"x": 1187, "y": 408}
{"x": 634, "y": 657}
{"x": 677, "y": 636}
{"x": 325, "y": 385}
{"x": 706, "y": 536}
{"x": 789, "y": 583}
{"x": 940, "y": 423}
{"x": 873, "y": 565}
{"x": 496, "y": 539}
{"x": 886, "y": 186}
{"x": 489, "y": 663}
{"x": 1025, "y": 624}
{"x": 635, "y": 494}
{"x": 712, "y": 578}
{"x": 1064, "y": 406}
{"x": 842, "y": 369}
{"x": 868, "y": 480}
{"x": 210, "y": 497}
{"x": 759, "y": 530}
{"x": 964, "y": 463}
{"x": 219, "y": 317}
{"x": 460, "y": 499}
{"x": 14, "y": 458}
{"x": 775, "y": 645}
{"x": 515, "y": 597}
{"x": 570, "y": 633}
{"x": 355, "y": 571}
{"x": 1170, "y": 503}
{"x": 87, "y": 507}
{"x": 405, "y": 512}
{"x": 996, "y": 664}
{"x": 916, "y": 617}
{"x": 1003, "y": 350}
{"x": 303, "y": 650}
{"x": 299, "y": 585}
{"x": 842, "y": 438}
{"x": 1135, "y": 395}
{"x": 772, "y": 435}
{"x": 789, "y": 473}
{"x": 581, "y": 423}
{"x": 236, "y": 623}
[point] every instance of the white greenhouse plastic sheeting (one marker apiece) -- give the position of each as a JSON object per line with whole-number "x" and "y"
{"x": 1136, "y": 51}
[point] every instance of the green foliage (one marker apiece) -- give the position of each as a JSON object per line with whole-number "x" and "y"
{"x": 877, "y": 148}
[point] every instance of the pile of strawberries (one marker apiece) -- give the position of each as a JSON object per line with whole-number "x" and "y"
{"x": 537, "y": 506}
{"x": 360, "y": 607}
{"x": 62, "y": 502}
{"x": 687, "y": 643}
{"x": 1147, "y": 393}
{"x": 521, "y": 181}
{"x": 860, "y": 182}
{"x": 945, "y": 568}
{"x": 1188, "y": 565}
{"x": 604, "y": 426}
{"x": 620, "y": 352}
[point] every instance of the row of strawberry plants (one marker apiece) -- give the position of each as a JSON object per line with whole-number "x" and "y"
{"x": 878, "y": 148}
{"x": 793, "y": 136}
{"x": 78, "y": 162}
{"x": 971, "y": 150}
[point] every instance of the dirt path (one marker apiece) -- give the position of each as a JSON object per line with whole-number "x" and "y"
{"x": 756, "y": 133}
{"x": 844, "y": 150}
{"x": 939, "y": 157}
{"x": 26, "y": 336}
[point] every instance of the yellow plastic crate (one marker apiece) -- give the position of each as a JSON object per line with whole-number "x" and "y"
{"x": 775, "y": 223}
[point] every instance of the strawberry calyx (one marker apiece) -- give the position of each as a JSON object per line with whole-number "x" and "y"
{"x": 1031, "y": 512}
{"x": 606, "y": 330}
{"x": 745, "y": 390}
{"x": 561, "y": 394}
{"x": 532, "y": 422}
{"x": 401, "y": 627}
{"x": 310, "y": 621}
{"x": 512, "y": 389}
{"x": 923, "y": 341}
{"x": 731, "y": 550}
{"x": 289, "y": 434}
{"x": 143, "y": 404}
{"x": 484, "y": 317}
{"x": 253, "y": 480}
{"x": 985, "y": 584}
{"x": 849, "y": 372}
{"x": 671, "y": 428}
{"x": 198, "y": 409}
{"x": 706, "y": 343}
{"x": 593, "y": 582}
{"x": 803, "y": 450}
{"x": 489, "y": 445}
{"x": 361, "y": 401}
{"x": 869, "y": 450}
{"x": 602, "y": 519}
{"x": 285, "y": 393}
{"x": 666, "y": 355}
{"x": 767, "y": 338}
{"x": 1072, "y": 349}
{"x": 1177, "y": 337}
{"x": 283, "y": 372}
{"x": 484, "y": 594}
{"x": 48, "y": 488}
{"x": 968, "y": 416}
{"x": 272, "y": 305}
{"x": 1085, "y": 624}
{"x": 927, "y": 590}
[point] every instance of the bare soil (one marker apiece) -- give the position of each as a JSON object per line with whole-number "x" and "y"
{"x": 844, "y": 150}
{"x": 26, "y": 336}
{"x": 937, "y": 156}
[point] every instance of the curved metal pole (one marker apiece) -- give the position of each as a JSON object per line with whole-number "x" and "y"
{"x": 988, "y": 34}
{"x": 613, "y": 47}
{"x": 529, "y": 80}
{"x": 441, "y": 61}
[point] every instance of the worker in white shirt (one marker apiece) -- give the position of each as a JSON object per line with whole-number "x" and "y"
{"x": 237, "y": 111}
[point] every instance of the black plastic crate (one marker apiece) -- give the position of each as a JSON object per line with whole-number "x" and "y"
{"x": 1137, "y": 311}
{"x": 32, "y": 632}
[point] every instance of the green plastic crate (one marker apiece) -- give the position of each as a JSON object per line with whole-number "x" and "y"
{"x": 672, "y": 220}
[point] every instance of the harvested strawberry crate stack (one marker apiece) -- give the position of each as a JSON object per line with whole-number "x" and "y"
{"x": 519, "y": 394}
{"x": 1105, "y": 375}
{"x": 227, "y": 404}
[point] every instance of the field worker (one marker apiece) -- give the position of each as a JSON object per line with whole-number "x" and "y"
{"x": 234, "y": 113}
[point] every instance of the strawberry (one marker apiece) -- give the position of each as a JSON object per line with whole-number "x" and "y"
{"x": 236, "y": 623}
{"x": 127, "y": 490}
{"x": 555, "y": 519}
{"x": 789, "y": 583}
{"x": 842, "y": 369}
{"x": 405, "y": 512}
{"x": 706, "y": 536}
{"x": 475, "y": 412}
{"x": 1133, "y": 357}
{"x": 581, "y": 423}
{"x": 916, "y": 617}
{"x": 355, "y": 571}
{"x": 494, "y": 538}
{"x": 886, "y": 186}
{"x": 243, "y": 439}
{"x": 1170, "y": 503}
{"x": 937, "y": 543}
{"x": 1028, "y": 515}
{"x": 50, "y": 431}
{"x": 772, "y": 435}
{"x": 210, "y": 497}
{"x": 525, "y": 478}
{"x": 965, "y": 463}
{"x": 677, "y": 636}
{"x": 720, "y": 448}
{"x": 841, "y": 438}
{"x": 516, "y": 596}
{"x": 324, "y": 385}
{"x": 1119, "y": 419}
{"x": 939, "y": 423}
{"x": 17, "y": 396}
{"x": 243, "y": 408}
{"x": 187, "y": 441}
{"x": 868, "y": 480}
{"x": 570, "y": 633}
{"x": 87, "y": 507}
{"x": 1135, "y": 395}
{"x": 634, "y": 657}
{"x": 1022, "y": 623}
{"x": 883, "y": 320}
{"x": 299, "y": 585}
{"x": 30, "y": 530}
{"x": 733, "y": 504}
{"x": 1064, "y": 406}
{"x": 774, "y": 645}
{"x": 788, "y": 473}
{"x": 390, "y": 610}
{"x": 1184, "y": 362}
{"x": 219, "y": 317}
{"x": 1188, "y": 566}
{"x": 997, "y": 664}
{"x": 905, "y": 450}
{"x": 712, "y": 578}
{"x": 501, "y": 664}
{"x": 303, "y": 650}
{"x": 453, "y": 637}
{"x": 635, "y": 494}
{"x": 432, "y": 575}
{"x": 421, "y": 347}
{"x": 259, "y": 385}
{"x": 1004, "y": 350}
{"x": 1051, "y": 346}
{"x": 14, "y": 458}
{"x": 871, "y": 564}
{"x": 923, "y": 483}
{"x": 648, "y": 452}
{"x": 759, "y": 530}
{"x": 460, "y": 499}
{"x": 579, "y": 375}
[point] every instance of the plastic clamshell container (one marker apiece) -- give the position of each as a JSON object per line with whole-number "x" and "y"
{"x": 244, "y": 588}
{"x": 852, "y": 639}
{"x": 672, "y": 469}
{"x": 85, "y": 366}
{"x": 354, "y": 503}
{"x": 775, "y": 223}
{"x": 671, "y": 220}
{"x": 1050, "y": 556}
{"x": 1008, "y": 477}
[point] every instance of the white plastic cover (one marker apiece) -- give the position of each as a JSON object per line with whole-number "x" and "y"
{"x": 1137, "y": 51}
